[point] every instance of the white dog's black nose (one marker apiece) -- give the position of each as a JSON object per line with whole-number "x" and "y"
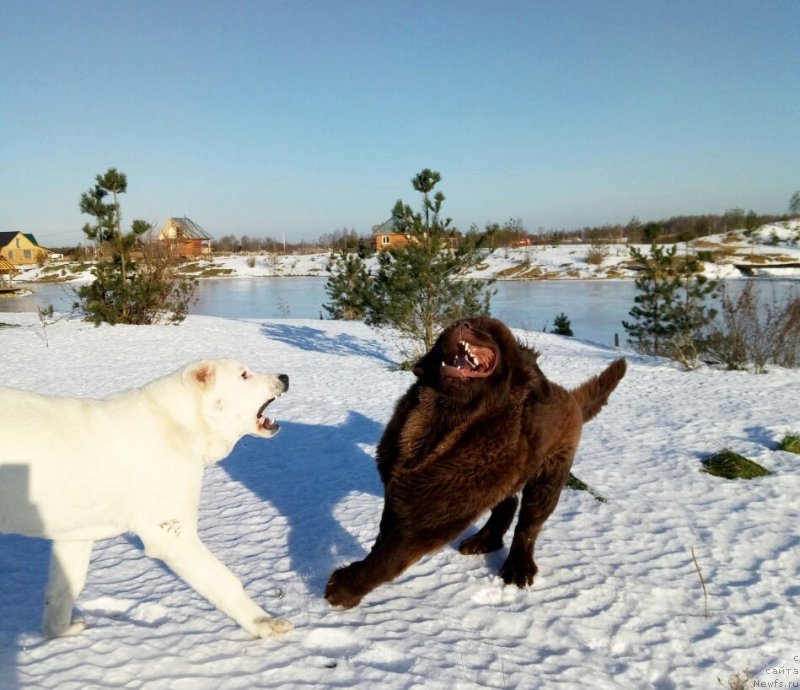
{"x": 284, "y": 379}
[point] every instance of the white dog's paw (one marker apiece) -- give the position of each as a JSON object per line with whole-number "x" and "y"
{"x": 75, "y": 627}
{"x": 266, "y": 627}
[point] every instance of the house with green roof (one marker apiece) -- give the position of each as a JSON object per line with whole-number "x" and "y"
{"x": 20, "y": 248}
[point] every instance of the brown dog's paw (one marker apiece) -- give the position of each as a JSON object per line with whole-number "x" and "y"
{"x": 518, "y": 571}
{"x": 337, "y": 591}
{"x": 480, "y": 543}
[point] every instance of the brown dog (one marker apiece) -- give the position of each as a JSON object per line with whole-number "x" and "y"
{"x": 481, "y": 424}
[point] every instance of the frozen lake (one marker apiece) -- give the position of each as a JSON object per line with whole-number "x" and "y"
{"x": 595, "y": 308}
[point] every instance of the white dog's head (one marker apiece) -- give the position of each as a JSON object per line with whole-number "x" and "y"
{"x": 234, "y": 398}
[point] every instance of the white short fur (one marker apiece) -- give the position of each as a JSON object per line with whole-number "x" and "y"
{"x": 77, "y": 470}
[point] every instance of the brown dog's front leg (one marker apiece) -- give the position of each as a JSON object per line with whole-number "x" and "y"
{"x": 390, "y": 556}
{"x": 490, "y": 537}
{"x": 539, "y": 500}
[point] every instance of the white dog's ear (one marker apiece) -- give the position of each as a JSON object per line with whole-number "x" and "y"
{"x": 199, "y": 374}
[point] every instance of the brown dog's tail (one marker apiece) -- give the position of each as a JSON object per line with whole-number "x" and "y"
{"x": 593, "y": 394}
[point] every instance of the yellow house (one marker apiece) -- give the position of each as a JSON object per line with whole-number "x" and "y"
{"x": 20, "y": 248}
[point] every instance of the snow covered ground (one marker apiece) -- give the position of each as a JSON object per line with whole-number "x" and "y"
{"x": 618, "y": 602}
{"x": 771, "y": 244}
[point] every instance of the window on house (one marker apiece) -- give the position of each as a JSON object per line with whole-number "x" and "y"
{"x": 17, "y": 242}
{"x": 10, "y": 254}
{"x": 27, "y": 254}
{"x": 385, "y": 239}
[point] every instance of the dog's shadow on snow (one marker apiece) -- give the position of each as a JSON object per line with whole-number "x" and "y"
{"x": 316, "y": 340}
{"x": 23, "y": 577}
{"x": 305, "y": 472}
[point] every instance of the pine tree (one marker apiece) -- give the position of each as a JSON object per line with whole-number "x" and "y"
{"x": 123, "y": 290}
{"x": 348, "y": 287}
{"x": 420, "y": 287}
{"x": 794, "y": 202}
{"x": 655, "y": 304}
{"x": 670, "y": 311}
{"x": 694, "y": 316}
{"x": 562, "y": 326}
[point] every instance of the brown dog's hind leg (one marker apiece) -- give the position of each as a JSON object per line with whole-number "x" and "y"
{"x": 539, "y": 499}
{"x": 490, "y": 536}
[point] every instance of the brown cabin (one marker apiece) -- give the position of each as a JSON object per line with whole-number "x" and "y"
{"x": 192, "y": 240}
{"x": 388, "y": 237}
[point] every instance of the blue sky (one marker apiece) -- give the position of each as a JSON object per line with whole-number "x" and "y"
{"x": 302, "y": 117}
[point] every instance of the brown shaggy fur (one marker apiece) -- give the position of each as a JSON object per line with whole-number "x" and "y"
{"x": 467, "y": 437}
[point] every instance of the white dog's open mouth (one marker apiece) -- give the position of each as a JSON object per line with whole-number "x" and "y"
{"x": 264, "y": 423}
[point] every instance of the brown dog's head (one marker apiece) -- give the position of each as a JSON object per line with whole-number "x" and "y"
{"x": 473, "y": 355}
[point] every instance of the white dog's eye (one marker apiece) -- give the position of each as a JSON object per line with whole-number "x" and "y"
{"x": 245, "y": 375}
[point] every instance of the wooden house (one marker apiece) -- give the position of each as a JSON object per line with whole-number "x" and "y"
{"x": 388, "y": 237}
{"x": 190, "y": 238}
{"x": 20, "y": 249}
{"x": 7, "y": 273}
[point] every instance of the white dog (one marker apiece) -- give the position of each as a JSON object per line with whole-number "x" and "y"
{"x": 76, "y": 470}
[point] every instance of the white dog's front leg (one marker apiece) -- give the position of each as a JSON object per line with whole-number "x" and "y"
{"x": 192, "y": 561}
{"x": 69, "y": 564}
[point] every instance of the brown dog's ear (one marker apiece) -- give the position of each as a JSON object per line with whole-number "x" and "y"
{"x": 419, "y": 368}
{"x": 199, "y": 374}
{"x": 428, "y": 361}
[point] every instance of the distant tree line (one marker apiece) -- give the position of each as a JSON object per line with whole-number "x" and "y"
{"x": 669, "y": 231}
{"x": 513, "y": 233}
{"x": 233, "y": 244}
{"x": 346, "y": 240}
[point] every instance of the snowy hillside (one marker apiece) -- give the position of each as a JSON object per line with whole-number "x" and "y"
{"x": 618, "y": 602}
{"x": 772, "y": 244}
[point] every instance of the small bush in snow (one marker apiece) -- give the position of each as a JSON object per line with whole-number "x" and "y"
{"x": 790, "y": 443}
{"x": 730, "y": 465}
{"x": 577, "y": 485}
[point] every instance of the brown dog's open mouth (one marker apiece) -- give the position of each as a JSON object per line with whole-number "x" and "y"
{"x": 470, "y": 360}
{"x": 264, "y": 423}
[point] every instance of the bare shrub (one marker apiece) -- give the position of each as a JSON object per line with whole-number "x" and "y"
{"x": 166, "y": 294}
{"x": 756, "y": 330}
{"x": 738, "y": 681}
{"x": 597, "y": 254}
